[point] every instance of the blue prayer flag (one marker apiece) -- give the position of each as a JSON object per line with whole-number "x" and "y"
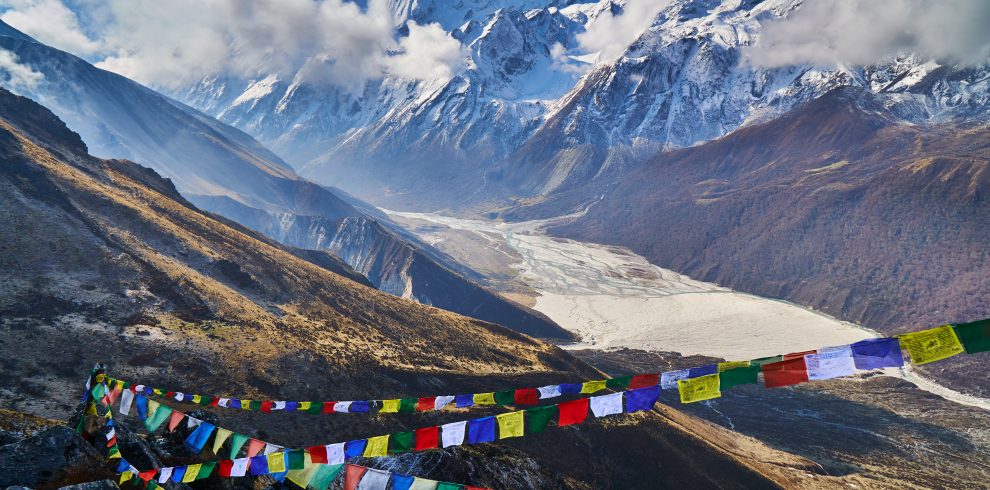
{"x": 464, "y": 401}
{"x": 877, "y": 353}
{"x": 123, "y": 466}
{"x": 570, "y": 389}
{"x": 354, "y": 449}
{"x": 177, "y": 473}
{"x": 198, "y": 438}
{"x": 291, "y": 406}
{"x": 141, "y": 402}
{"x": 697, "y": 372}
{"x": 642, "y": 399}
{"x": 360, "y": 406}
{"x": 234, "y": 403}
{"x": 259, "y": 465}
{"x": 402, "y": 482}
{"x": 481, "y": 430}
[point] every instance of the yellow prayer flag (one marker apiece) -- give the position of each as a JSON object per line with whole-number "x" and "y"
{"x": 303, "y": 406}
{"x": 158, "y": 391}
{"x": 127, "y": 475}
{"x": 245, "y": 404}
{"x": 698, "y": 389}
{"x": 119, "y": 384}
{"x": 933, "y": 344}
{"x": 725, "y": 366}
{"x": 390, "y": 406}
{"x": 276, "y": 462}
{"x": 592, "y": 386}
{"x": 100, "y": 378}
{"x": 196, "y": 399}
{"x": 510, "y": 424}
{"x": 377, "y": 446}
{"x": 152, "y": 408}
{"x": 91, "y": 409}
{"x": 484, "y": 398}
{"x": 192, "y": 471}
{"x": 302, "y": 477}
{"x": 219, "y": 439}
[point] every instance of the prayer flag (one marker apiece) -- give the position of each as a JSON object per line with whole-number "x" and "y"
{"x": 642, "y": 398}
{"x": 604, "y": 405}
{"x": 192, "y": 471}
{"x": 620, "y": 383}
{"x": 266, "y": 406}
{"x": 259, "y": 465}
{"x": 165, "y": 475}
{"x": 159, "y": 413}
{"x": 570, "y": 388}
{"x": 424, "y": 484}
{"x": 206, "y": 469}
{"x": 377, "y": 446}
{"x": 738, "y": 376}
{"x": 551, "y": 391}
{"x": 328, "y": 407}
{"x": 725, "y": 366}
{"x": 697, "y": 372}
{"x": 401, "y": 442}
{"x": 572, "y": 412}
{"x": 484, "y": 398}
{"x": 225, "y": 467}
{"x": 766, "y": 360}
{"x": 402, "y": 482}
{"x": 510, "y": 424}
{"x": 318, "y": 454}
{"x": 931, "y": 345}
{"x": 222, "y": 435}
{"x": 449, "y": 486}
{"x": 427, "y": 438}
{"x": 126, "y": 399}
{"x": 276, "y": 462}
{"x": 504, "y": 397}
{"x": 197, "y": 439}
{"x": 390, "y": 406}
{"x": 592, "y": 386}
{"x": 374, "y": 480}
{"x": 443, "y": 401}
{"x": 295, "y": 460}
{"x": 240, "y": 466}
{"x": 453, "y": 434}
{"x": 254, "y": 405}
{"x": 352, "y": 476}
{"x": 537, "y": 418}
{"x": 877, "y": 353}
{"x": 236, "y": 443}
{"x": 342, "y": 407}
{"x": 644, "y": 381}
{"x": 355, "y": 448}
{"x": 148, "y": 475}
{"x": 426, "y": 403}
{"x": 360, "y": 406}
{"x": 125, "y": 476}
{"x": 178, "y": 473}
{"x": 795, "y": 355}
{"x": 785, "y": 373}
{"x": 481, "y": 430}
{"x": 335, "y": 453}
{"x": 407, "y": 405}
{"x": 668, "y": 380}
{"x": 830, "y": 363}
{"x": 324, "y": 476}
{"x": 462, "y": 401}
{"x": 526, "y": 396}
{"x": 975, "y": 336}
{"x": 698, "y": 389}
{"x": 303, "y": 475}
{"x": 254, "y": 446}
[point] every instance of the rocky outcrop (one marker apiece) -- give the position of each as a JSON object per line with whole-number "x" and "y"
{"x": 51, "y": 459}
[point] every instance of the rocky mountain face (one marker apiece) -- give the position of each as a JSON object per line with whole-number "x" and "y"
{"x": 836, "y": 205}
{"x": 517, "y": 122}
{"x": 109, "y": 263}
{"x": 224, "y": 170}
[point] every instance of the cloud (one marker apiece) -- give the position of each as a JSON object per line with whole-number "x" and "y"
{"x": 15, "y": 75}
{"x": 862, "y": 32}
{"x": 609, "y": 35}
{"x": 50, "y": 22}
{"x": 171, "y": 43}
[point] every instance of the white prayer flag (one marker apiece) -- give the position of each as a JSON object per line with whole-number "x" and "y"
{"x": 342, "y": 407}
{"x": 279, "y": 406}
{"x": 271, "y": 448}
{"x": 374, "y": 480}
{"x": 610, "y": 404}
{"x": 833, "y": 362}
{"x": 126, "y": 398}
{"x": 224, "y": 402}
{"x": 668, "y": 380}
{"x": 552, "y": 391}
{"x": 139, "y": 388}
{"x": 442, "y": 401}
{"x": 179, "y": 397}
{"x": 453, "y": 434}
{"x": 192, "y": 422}
{"x": 240, "y": 466}
{"x": 424, "y": 484}
{"x": 164, "y": 475}
{"x": 335, "y": 453}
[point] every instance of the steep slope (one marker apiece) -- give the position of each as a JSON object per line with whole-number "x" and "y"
{"x": 109, "y": 263}
{"x": 835, "y": 205}
{"x": 224, "y": 170}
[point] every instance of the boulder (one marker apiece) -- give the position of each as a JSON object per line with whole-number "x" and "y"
{"x": 49, "y": 459}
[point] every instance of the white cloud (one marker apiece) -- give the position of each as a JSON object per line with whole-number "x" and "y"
{"x": 174, "y": 42}
{"x": 50, "y": 22}
{"x": 609, "y": 35}
{"x": 861, "y": 32}
{"x": 15, "y": 75}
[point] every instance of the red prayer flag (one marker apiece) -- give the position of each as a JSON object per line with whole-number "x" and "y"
{"x": 225, "y": 466}
{"x": 214, "y": 402}
{"x": 318, "y": 454}
{"x": 427, "y": 438}
{"x": 527, "y": 396}
{"x": 328, "y": 407}
{"x": 148, "y": 475}
{"x": 169, "y": 394}
{"x": 795, "y": 355}
{"x": 112, "y": 441}
{"x": 427, "y": 403}
{"x": 266, "y": 406}
{"x": 784, "y": 373}
{"x": 353, "y": 476}
{"x": 573, "y": 412}
{"x": 644, "y": 381}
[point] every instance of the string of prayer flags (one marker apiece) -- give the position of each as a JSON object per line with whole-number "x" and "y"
{"x": 975, "y": 336}
{"x": 877, "y": 353}
{"x": 833, "y": 362}
{"x": 932, "y": 345}
{"x": 697, "y": 389}
{"x": 785, "y": 373}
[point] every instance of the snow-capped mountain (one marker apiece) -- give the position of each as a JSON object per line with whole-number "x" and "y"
{"x": 518, "y": 122}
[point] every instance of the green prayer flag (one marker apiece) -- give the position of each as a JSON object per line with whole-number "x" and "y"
{"x": 315, "y": 408}
{"x": 297, "y": 459}
{"x": 254, "y": 405}
{"x": 766, "y": 360}
{"x": 505, "y": 397}
{"x": 152, "y": 485}
{"x": 205, "y": 470}
{"x": 449, "y": 486}
{"x": 205, "y": 400}
{"x": 407, "y": 405}
{"x": 738, "y": 376}
{"x": 324, "y": 476}
{"x": 98, "y": 391}
{"x": 618, "y": 383}
{"x": 236, "y": 443}
{"x": 154, "y": 421}
{"x": 400, "y": 442}
{"x": 537, "y": 418}
{"x": 127, "y": 385}
{"x": 975, "y": 336}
